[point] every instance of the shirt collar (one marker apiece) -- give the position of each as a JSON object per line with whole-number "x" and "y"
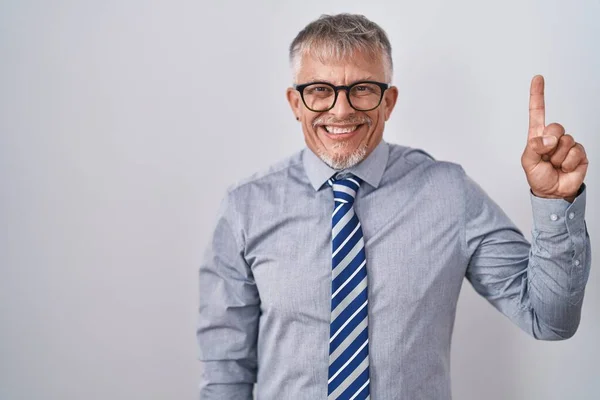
{"x": 369, "y": 170}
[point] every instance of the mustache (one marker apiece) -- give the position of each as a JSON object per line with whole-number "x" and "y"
{"x": 330, "y": 120}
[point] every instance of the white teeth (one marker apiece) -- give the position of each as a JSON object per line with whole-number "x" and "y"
{"x": 339, "y": 129}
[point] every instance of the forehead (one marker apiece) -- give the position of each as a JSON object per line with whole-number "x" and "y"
{"x": 352, "y": 68}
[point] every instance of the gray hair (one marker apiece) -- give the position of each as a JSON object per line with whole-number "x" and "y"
{"x": 337, "y": 37}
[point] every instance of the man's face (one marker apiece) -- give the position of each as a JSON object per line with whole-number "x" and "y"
{"x": 342, "y": 136}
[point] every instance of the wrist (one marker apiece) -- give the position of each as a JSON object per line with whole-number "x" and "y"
{"x": 569, "y": 198}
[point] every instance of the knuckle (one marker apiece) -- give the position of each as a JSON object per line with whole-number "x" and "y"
{"x": 568, "y": 140}
{"x": 555, "y": 125}
{"x": 576, "y": 151}
{"x": 571, "y": 162}
{"x": 554, "y": 129}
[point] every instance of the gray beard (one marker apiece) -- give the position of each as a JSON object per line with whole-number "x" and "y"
{"x": 344, "y": 162}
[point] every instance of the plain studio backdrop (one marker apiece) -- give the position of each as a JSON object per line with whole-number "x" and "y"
{"x": 123, "y": 122}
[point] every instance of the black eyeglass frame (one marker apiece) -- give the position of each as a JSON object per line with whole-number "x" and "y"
{"x": 336, "y": 89}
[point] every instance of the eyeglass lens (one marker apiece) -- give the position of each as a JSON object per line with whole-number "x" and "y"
{"x": 321, "y": 97}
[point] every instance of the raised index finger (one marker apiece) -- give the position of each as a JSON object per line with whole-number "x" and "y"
{"x": 537, "y": 108}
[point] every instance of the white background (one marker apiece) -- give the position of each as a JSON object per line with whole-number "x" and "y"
{"x": 122, "y": 123}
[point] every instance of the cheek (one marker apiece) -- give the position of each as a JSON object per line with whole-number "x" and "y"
{"x": 376, "y": 130}
{"x": 308, "y": 124}
{"x": 377, "y": 119}
{"x": 310, "y": 133}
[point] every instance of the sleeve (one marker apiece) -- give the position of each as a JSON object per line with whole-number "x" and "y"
{"x": 539, "y": 287}
{"x": 228, "y": 314}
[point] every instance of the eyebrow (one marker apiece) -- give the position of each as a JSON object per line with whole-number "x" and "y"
{"x": 315, "y": 79}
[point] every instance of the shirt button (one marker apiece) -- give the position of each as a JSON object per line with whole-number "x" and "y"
{"x": 553, "y": 217}
{"x": 577, "y": 263}
{"x": 571, "y": 215}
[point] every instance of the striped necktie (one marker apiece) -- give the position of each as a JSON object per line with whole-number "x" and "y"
{"x": 348, "y": 335}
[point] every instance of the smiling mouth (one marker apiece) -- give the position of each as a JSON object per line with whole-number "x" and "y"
{"x": 340, "y": 130}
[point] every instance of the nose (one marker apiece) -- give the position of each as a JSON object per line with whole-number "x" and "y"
{"x": 342, "y": 106}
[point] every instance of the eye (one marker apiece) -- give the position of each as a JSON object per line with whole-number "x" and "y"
{"x": 318, "y": 89}
{"x": 363, "y": 89}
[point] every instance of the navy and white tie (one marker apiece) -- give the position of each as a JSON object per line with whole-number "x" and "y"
{"x": 348, "y": 338}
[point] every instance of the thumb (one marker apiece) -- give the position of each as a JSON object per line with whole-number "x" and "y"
{"x": 536, "y": 148}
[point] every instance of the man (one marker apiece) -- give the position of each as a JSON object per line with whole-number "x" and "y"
{"x": 335, "y": 274}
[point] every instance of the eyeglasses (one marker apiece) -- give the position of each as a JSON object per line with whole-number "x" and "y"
{"x": 362, "y": 96}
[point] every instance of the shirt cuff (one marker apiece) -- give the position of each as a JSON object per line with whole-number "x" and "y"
{"x": 553, "y": 214}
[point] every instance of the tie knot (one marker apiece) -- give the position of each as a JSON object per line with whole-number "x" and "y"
{"x": 344, "y": 189}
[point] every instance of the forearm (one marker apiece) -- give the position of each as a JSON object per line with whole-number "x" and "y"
{"x": 224, "y": 380}
{"x": 226, "y": 392}
{"x": 228, "y": 362}
{"x": 559, "y": 264}
{"x": 227, "y": 333}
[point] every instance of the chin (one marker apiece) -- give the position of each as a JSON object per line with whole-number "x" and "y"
{"x": 343, "y": 161}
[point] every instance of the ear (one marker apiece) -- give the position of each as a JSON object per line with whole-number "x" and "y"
{"x": 293, "y": 97}
{"x": 389, "y": 101}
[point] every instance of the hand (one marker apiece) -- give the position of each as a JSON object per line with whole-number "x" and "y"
{"x": 554, "y": 163}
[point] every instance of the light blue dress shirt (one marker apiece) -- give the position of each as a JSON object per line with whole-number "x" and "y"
{"x": 265, "y": 279}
